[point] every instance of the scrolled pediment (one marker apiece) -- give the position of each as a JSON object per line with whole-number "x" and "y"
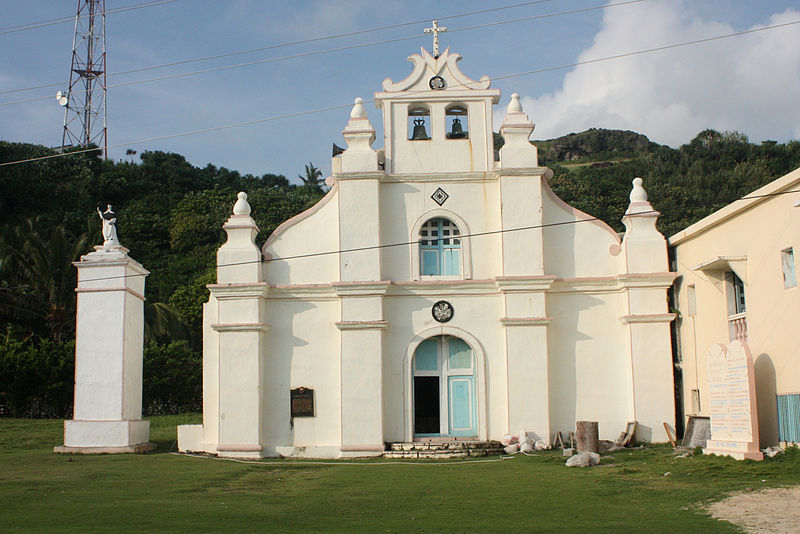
{"x": 427, "y": 66}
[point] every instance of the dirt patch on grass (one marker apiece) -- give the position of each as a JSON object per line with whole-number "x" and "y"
{"x": 762, "y": 512}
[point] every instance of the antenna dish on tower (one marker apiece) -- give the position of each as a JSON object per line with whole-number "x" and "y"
{"x": 62, "y": 99}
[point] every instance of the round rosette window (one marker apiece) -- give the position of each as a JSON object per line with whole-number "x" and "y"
{"x": 442, "y": 311}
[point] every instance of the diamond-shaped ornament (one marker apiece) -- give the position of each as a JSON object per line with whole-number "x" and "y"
{"x": 439, "y": 196}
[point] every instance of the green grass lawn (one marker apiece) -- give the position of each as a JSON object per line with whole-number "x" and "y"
{"x": 163, "y": 492}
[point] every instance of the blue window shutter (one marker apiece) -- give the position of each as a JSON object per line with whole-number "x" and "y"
{"x": 451, "y": 266}
{"x": 789, "y": 418}
{"x": 430, "y": 261}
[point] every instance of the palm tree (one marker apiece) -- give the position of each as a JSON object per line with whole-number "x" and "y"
{"x": 312, "y": 178}
{"x": 37, "y": 278}
{"x": 163, "y": 322}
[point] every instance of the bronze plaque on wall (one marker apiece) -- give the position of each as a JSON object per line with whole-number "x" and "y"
{"x": 302, "y": 402}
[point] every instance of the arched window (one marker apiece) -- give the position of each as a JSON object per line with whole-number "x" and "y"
{"x": 457, "y": 121}
{"x": 439, "y": 248}
{"x": 419, "y": 121}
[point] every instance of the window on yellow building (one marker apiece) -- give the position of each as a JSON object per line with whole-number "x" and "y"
{"x": 787, "y": 264}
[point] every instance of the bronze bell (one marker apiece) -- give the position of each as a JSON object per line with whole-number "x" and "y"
{"x": 419, "y": 133}
{"x": 456, "y": 132}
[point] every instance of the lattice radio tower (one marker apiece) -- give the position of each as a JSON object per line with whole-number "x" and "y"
{"x": 85, "y": 100}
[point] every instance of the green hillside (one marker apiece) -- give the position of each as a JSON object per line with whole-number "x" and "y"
{"x": 593, "y": 172}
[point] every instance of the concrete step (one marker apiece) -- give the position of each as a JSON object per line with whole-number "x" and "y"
{"x": 447, "y": 449}
{"x": 442, "y": 454}
{"x": 444, "y": 445}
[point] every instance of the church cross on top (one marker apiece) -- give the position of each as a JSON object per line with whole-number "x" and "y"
{"x": 436, "y": 30}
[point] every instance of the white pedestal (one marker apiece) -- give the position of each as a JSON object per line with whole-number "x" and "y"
{"x": 741, "y": 450}
{"x": 108, "y": 356}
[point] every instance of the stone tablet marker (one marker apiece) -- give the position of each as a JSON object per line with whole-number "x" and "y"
{"x": 734, "y": 419}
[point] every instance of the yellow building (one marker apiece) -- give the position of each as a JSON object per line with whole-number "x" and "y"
{"x": 737, "y": 281}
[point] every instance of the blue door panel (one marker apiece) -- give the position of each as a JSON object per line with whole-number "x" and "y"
{"x": 462, "y": 406}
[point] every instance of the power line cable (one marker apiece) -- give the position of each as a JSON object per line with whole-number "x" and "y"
{"x": 294, "y": 43}
{"x": 328, "y": 50}
{"x": 51, "y": 22}
{"x": 378, "y": 247}
{"x": 317, "y": 39}
{"x": 416, "y": 242}
{"x": 343, "y": 106}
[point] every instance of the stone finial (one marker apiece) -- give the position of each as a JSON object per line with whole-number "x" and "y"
{"x": 358, "y": 111}
{"x": 644, "y": 248}
{"x": 517, "y": 152}
{"x": 638, "y": 194}
{"x": 515, "y": 106}
{"x": 239, "y": 259}
{"x": 638, "y": 197}
{"x": 241, "y": 207}
{"x": 359, "y": 134}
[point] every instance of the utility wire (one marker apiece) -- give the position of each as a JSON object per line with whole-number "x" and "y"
{"x": 51, "y": 22}
{"x": 343, "y": 106}
{"x": 294, "y": 43}
{"x": 416, "y": 242}
{"x": 326, "y": 51}
{"x": 378, "y": 247}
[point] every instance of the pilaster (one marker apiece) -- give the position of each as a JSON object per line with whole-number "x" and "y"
{"x": 240, "y": 295}
{"x": 359, "y": 202}
{"x": 521, "y": 195}
{"x": 647, "y": 318}
{"x": 362, "y": 325}
{"x": 525, "y": 325}
{"x": 242, "y": 329}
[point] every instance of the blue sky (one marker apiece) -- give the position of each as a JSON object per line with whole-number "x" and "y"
{"x": 749, "y": 83}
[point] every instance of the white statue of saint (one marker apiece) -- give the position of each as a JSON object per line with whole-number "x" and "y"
{"x": 109, "y": 219}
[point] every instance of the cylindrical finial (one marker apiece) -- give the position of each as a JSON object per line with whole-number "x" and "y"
{"x": 638, "y": 194}
{"x": 515, "y": 106}
{"x": 241, "y": 207}
{"x": 358, "y": 111}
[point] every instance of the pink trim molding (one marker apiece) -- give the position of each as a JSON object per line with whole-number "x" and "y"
{"x": 362, "y": 325}
{"x": 525, "y": 321}
{"x": 648, "y": 318}
{"x": 299, "y": 217}
{"x": 241, "y": 327}
{"x": 578, "y": 214}
{"x": 102, "y": 289}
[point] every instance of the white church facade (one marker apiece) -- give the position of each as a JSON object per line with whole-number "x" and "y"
{"x": 434, "y": 293}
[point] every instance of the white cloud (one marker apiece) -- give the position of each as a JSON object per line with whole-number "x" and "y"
{"x": 748, "y": 83}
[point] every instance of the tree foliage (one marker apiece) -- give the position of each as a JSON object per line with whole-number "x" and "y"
{"x": 170, "y": 215}
{"x": 312, "y": 177}
{"x": 36, "y": 376}
{"x": 37, "y": 278}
